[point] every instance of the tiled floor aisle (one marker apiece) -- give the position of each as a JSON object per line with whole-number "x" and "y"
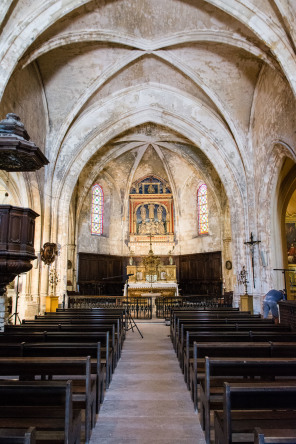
{"x": 147, "y": 401}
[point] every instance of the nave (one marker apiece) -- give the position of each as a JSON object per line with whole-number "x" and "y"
{"x": 147, "y": 401}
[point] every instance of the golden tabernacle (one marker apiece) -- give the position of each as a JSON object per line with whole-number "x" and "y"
{"x": 152, "y": 276}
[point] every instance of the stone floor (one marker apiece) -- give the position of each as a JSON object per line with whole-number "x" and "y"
{"x": 148, "y": 401}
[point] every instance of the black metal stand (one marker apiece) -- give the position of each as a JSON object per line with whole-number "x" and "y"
{"x": 284, "y": 271}
{"x": 129, "y": 320}
{"x": 15, "y": 314}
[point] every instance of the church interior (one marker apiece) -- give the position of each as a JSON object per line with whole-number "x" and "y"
{"x": 148, "y": 153}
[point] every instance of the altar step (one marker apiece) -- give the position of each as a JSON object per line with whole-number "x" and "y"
{"x": 148, "y": 401}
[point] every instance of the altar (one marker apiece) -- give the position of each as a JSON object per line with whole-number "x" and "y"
{"x": 152, "y": 277}
{"x": 151, "y": 224}
{"x": 144, "y": 289}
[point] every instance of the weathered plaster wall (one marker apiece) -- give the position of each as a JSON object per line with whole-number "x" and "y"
{"x": 24, "y": 97}
{"x": 184, "y": 179}
{"x": 83, "y": 74}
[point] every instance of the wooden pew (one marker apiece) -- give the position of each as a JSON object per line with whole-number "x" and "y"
{"x": 220, "y": 370}
{"x": 45, "y": 405}
{"x": 58, "y": 337}
{"x": 18, "y": 436}
{"x": 266, "y": 405}
{"x": 56, "y": 350}
{"x": 274, "y": 436}
{"x": 84, "y": 389}
{"x": 82, "y": 330}
{"x": 233, "y": 350}
{"x": 255, "y": 327}
{"x": 240, "y": 336}
{"x": 84, "y": 320}
{"x": 200, "y": 314}
{"x": 221, "y": 350}
{"x": 198, "y": 318}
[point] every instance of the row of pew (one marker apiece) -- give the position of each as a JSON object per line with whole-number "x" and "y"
{"x": 241, "y": 373}
{"x": 54, "y": 371}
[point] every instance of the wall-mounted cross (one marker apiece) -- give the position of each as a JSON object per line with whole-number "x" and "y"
{"x": 252, "y": 244}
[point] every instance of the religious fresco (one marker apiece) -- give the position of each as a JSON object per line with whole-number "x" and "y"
{"x": 151, "y": 213}
{"x": 291, "y": 242}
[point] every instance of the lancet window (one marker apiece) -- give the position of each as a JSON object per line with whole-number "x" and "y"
{"x": 202, "y": 209}
{"x": 97, "y": 211}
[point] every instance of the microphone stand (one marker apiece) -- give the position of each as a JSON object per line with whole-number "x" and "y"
{"x": 15, "y": 314}
{"x": 284, "y": 271}
{"x": 129, "y": 320}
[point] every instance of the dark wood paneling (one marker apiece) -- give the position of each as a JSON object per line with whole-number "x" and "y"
{"x": 96, "y": 274}
{"x": 200, "y": 273}
{"x": 196, "y": 273}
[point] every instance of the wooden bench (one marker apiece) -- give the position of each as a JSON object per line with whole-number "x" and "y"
{"x": 222, "y": 350}
{"x": 86, "y": 323}
{"x": 232, "y": 350}
{"x": 63, "y": 349}
{"x": 199, "y": 315}
{"x": 70, "y": 330}
{"x": 229, "y": 320}
{"x": 274, "y": 436}
{"x": 18, "y": 436}
{"x": 45, "y": 405}
{"x": 240, "y": 336}
{"x": 266, "y": 405}
{"x": 223, "y": 328}
{"x": 84, "y": 388}
{"x": 58, "y": 337}
{"x": 230, "y": 323}
{"x": 220, "y": 370}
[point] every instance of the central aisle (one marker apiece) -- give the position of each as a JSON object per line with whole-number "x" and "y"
{"x": 148, "y": 401}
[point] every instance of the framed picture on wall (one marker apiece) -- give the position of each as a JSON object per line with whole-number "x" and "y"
{"x": 291, "y": 242}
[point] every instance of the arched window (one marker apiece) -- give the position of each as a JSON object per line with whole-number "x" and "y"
{"x": 97, "y": 210}
{"x": 202, "y": 209}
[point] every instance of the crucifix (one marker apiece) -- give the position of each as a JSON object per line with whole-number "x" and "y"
{"x": 252, "y": 244}
{"x": 150, "y": 235}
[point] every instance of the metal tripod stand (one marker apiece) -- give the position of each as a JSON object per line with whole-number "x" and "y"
{"x": 130, "y": 323}
{"x": 129, "y": 320}
{"x": 15, "y": 314}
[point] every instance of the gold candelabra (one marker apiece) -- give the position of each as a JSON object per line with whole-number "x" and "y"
{"x": 53, "y": 280}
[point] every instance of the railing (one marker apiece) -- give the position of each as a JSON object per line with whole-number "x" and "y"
{"x": 139, "y": 307}
{"x": 94, "y": 301}
{"x": 165, "y": 304}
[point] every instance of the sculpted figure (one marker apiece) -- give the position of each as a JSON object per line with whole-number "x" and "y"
{"x": 159, "y": 213}
{"x": 143, "y": 213}
{"x": 151, "y": 210}
{"x": 48, "y": 253}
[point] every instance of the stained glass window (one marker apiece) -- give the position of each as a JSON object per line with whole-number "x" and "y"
{"x": 97, "y": 210}
{"x": 202, "y": 209}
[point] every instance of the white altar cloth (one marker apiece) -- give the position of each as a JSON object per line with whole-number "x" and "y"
{"x": 146, "y": 286}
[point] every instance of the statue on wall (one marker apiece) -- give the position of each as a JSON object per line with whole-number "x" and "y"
{"x": 151, "y": 207}
{"x": 48, "y": 253}
{"x": 143, "y": 213}
{"x": 159, "y": 213}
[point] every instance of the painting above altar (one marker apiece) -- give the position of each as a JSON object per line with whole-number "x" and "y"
{"x": 151, "y": 214}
